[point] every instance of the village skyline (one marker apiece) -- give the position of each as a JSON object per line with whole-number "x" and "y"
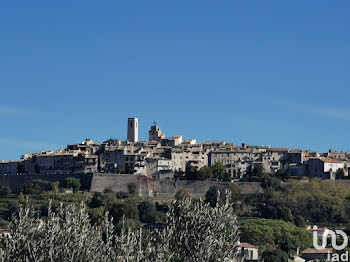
{"x": 144, "y": 137}
{"x": 228, "y": 72}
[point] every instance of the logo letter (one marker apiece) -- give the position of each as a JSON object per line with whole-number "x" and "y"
{"x": 345, "y": 240}
{"x": 324, "y": 240}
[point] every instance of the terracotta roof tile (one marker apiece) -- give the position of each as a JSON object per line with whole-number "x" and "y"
{"x": 315, "y": 251}
{"x": 246, "y": 245}
{"x": 318, "y": 229}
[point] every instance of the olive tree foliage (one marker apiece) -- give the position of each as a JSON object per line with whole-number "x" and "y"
{"x": 63, "y": 236}
{"x": 199, "y": 232}
{"x": 195, "y": 232}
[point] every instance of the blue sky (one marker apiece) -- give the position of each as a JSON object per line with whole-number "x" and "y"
{"x": 262, "y": 72}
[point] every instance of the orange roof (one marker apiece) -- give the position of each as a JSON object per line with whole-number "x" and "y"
{"x": 316, "y": 251}
{"x": 246, "y": 245}
{"x": 318, "y": 229}
{"x": 295, "y": 150}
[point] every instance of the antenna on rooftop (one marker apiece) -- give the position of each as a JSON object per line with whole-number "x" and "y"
{"x": 155, "y": 123}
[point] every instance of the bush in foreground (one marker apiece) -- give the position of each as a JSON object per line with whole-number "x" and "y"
{"x": 195, "y": 232}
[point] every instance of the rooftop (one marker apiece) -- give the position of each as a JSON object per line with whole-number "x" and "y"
{"x": 246, "y": 245}
{"x": 278, "y": 149}
{"x": 326, "y": 159}
{"x": 331, "y": 160}
{"x": 316, "y": 251}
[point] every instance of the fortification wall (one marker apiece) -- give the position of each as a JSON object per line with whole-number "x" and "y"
{"x": 19, "y": 181}
{"x": 345, "y": 182}
{"x": 98, "y": 182}
{"x": 162, "y": 188}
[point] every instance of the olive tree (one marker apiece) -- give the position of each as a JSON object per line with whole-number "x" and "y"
{"x": 199, "y": 232}
{"x": 195, "y": 232}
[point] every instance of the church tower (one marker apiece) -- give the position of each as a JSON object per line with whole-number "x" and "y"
{"x": 155, "y": 134}
{"x": 133, "y": 129}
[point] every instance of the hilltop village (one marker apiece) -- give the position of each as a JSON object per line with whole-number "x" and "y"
{"x": 168, "y": 157}
{"x": 270, "y": 189}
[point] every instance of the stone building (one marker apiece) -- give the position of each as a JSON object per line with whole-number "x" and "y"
{"x": 159, "y": 164}
{"x": 298, "y": 156}
{"x": 250, "y": 252}
{"x": 65, "y": 163}
{"x": 9, "y": 167}
{"x": 312, "y": 254}
{"x": 325, "y": 168}
{"x": 275, "y": 159}
{"x": 155, "y": 134}
{"x": 194, "y": 154}
{"x": 240, "y": 160}
{"x": 336, "y": 155}
{"x": 236, "y": 162}
{"x": 216, "y": 146}
{"x": 172, "y": 141}
{"x": 111, "y": 158}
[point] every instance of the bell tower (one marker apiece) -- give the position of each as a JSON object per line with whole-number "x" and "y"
{"x": 133, "y": 129}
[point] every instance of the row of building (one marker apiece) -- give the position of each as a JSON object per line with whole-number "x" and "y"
{"x": 162, "y": 157}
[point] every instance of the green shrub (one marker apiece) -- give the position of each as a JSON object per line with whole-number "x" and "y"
{"x": 55, "y": 186}
{"x": 122, "y": 195}
{"x": 72, "y": 183}
{"x": 36, "y": 186}
{"x": 132, "y": 188}
{"x": 5, "y": 191}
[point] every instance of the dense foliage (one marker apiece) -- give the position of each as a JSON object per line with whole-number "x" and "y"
{"x": 286, "y": 206}
{"x": 215, "y": 172}
{"x": 316, "y": 201}
{"x": 271, "y": 234}
{"x": 195, "y": 232}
